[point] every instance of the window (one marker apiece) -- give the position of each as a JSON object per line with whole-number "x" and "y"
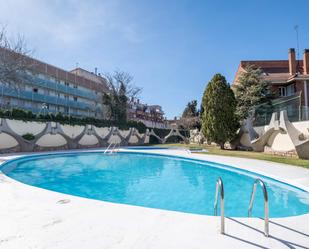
{"x": 282, "y": 91}
{"x": 75, "y": 98}
{"x": 35, "y": 90}
{"x": 287, "y": 90}
{"x": 67, "y": 83}
{"x": 290, "y": 90}
{"x": 75, "y": 86}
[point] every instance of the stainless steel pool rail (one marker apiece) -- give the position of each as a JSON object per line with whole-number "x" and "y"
{"x": 219, "y": 186}
{"x": 266, "y": 210}
{"x": 105, "y": 151}
{"x": 113, "y": 146}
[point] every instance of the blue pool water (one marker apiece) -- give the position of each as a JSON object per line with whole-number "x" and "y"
{"x": 155, "y": 181}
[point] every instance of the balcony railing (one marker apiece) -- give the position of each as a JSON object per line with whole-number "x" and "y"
{"x": 52, "y": 85}
{"x": 27, "y": 95}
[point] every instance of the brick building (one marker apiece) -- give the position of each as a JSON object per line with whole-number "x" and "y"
{"x": 288, "y": 78}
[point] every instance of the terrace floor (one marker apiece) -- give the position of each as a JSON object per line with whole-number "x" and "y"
{"x": 37, "y": 218}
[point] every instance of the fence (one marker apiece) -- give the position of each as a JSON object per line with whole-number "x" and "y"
{"x": 292, "y": 104}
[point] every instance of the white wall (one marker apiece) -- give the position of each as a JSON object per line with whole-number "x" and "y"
{"x": 7, "y": 141}
{"x": 124, "y": 133}
{"x": 21, "y": 127}
{"x": 278, "y": 141}
{"x": 102, "y": 132}
{"x": 281, "y": 141}
{"x": 114, "y": 139}
{"x": 56, "y": 140}
{"x": 49, "y": 140}
{"x": 88, "y": 140}
{"x": 133, "y": 140}
{"x": 72, "y": 131}
{"x": 302, "y": 126}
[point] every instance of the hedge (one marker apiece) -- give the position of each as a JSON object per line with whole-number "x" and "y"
{"x": 23, "y": 115}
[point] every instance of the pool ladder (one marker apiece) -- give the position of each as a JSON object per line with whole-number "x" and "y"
{"x": 113, "y": 148}
{"x": 219, "y": 186}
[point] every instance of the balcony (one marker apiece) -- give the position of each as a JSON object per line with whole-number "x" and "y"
{"x": 52, "y": 85}
{"x": 22, "y": 94}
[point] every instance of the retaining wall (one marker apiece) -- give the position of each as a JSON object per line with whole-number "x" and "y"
{"x": 280, "y": 137}
{"x": 53, "y": 136}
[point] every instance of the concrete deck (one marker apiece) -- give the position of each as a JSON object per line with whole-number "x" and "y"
{"x": 37, "y": 218}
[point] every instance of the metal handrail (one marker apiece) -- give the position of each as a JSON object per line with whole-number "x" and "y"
{"x": 266, "y": 210}
{"x": 115, "y": 144}
{"x": 108, "y": 147}
{"x": 219, "y": 185}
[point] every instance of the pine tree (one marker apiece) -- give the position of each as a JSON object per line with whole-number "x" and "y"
{"x": 190, "y": 111}
{"x": 219, "y": 122}
{"x": 251, "y": 90}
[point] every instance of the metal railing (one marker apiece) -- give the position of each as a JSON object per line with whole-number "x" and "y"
{"x": 266, "y": 210}
{"x": 113, "y": 147}
{"x": 219, "y": 185}
{"x": 54, "y": 100}
{"x": 105, "y": 151}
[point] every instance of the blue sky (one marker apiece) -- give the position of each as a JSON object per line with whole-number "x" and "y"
{"x": 172, "y": 48}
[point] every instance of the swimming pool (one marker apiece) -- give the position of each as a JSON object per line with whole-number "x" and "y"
{"x": 155, "y": 181}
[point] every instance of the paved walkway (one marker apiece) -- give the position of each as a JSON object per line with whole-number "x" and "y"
{"x": 37, "y": 218}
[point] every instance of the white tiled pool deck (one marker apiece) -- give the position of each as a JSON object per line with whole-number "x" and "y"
{"x": 31, "y": 217}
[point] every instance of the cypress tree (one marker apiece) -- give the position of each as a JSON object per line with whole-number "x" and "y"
{"x": 219, "y": 121}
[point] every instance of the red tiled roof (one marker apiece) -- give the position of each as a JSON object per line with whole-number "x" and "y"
{"x": 276, "y": 71}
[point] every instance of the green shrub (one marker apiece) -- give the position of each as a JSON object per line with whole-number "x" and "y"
{"x": 20, "y": 114}
{"x": 28, "y": 136}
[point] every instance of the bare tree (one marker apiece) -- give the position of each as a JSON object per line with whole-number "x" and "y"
{"x": 190, "y": 123}
{"x": 121, "y": 80}
{"x": 121, "y": 90}
{"x": 15, "y": 62}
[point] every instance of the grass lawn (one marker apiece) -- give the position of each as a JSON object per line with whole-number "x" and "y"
{"x": 246, "y": 154}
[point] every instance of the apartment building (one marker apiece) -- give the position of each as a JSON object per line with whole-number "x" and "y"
{"x": 151, "y": 115}
{"x": 49, "y": 89}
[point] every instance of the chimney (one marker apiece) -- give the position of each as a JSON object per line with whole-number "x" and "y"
{"x": 306, "y": 61}
{"x": 95, "y": 70}
{"x": 292, "y": 61}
